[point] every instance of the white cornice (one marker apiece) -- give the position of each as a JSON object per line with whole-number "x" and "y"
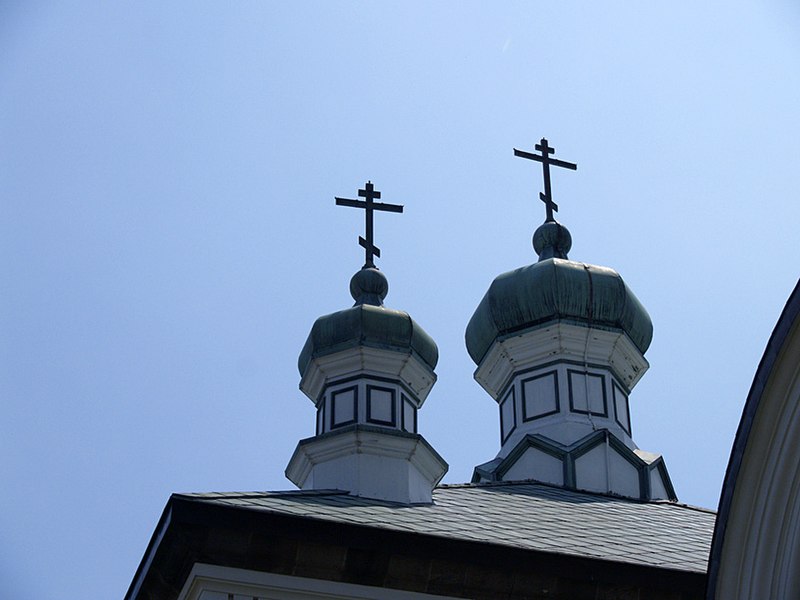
{"x": 350, "y": 453}
{"x": 366, "y": 360}
{"x": 560, "y": 341}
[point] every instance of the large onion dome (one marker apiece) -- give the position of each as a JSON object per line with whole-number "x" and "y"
{"x": 556, "y": 288}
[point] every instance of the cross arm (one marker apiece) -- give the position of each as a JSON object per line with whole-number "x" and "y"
{"x": 370, "y": 247}
{"x": 375, "y": 205}
{"x": 539, "y": 158}
{"x": 397, "y": 208}
{"x": 348, "y": 202}
{"x": 548, "y": 202}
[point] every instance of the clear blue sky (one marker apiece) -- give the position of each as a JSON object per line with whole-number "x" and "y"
{"x": 168, "y": 232}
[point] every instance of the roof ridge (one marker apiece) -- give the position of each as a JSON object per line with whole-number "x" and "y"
{"x": 260, "y": 494}
{"x": 443, "y": 488}
{"x": 543, "y": 484}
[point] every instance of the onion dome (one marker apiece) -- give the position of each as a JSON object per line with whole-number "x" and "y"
{"x": 556, "y": 288}
{"x": 368, "y": 323}
{"x": 559, "y": 346}
{"x": 368, "y": 370}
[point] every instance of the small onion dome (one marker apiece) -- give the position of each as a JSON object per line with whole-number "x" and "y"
{"x": 368, "y": 323}
{"x": 556, "y": 288}
{"x": 552, "y": 240}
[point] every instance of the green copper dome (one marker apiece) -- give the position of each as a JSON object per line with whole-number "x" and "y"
{"x": 368, "y": 323}
{"x": 556, "y": 288}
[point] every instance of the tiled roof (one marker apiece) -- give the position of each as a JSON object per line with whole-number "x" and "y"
{"x": 527, "y": 515}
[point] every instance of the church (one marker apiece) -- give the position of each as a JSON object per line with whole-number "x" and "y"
{"x": 568, "y": 508}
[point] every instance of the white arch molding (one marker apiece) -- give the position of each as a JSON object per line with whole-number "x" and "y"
{"x": 756, "y": 548}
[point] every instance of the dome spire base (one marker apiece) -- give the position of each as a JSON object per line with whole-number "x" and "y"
{"x": 552, "y": 240}
{"x": 369, "y": 286}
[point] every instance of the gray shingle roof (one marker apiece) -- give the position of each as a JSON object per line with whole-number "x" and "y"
{"x": 528, "y": 516}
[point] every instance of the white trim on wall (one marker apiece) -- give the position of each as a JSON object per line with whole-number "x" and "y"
{"x": 212, "y": 582}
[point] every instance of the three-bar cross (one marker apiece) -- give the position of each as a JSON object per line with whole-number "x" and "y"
{"x": 369, "y": 194}
{"x": 546, "y": 161}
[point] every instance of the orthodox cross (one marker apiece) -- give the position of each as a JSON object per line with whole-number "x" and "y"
{"x": 546, "y": 161}
{"x": 369, "y": 194}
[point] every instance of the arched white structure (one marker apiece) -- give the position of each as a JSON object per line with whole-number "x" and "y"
{"x": 756, "y": 549}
